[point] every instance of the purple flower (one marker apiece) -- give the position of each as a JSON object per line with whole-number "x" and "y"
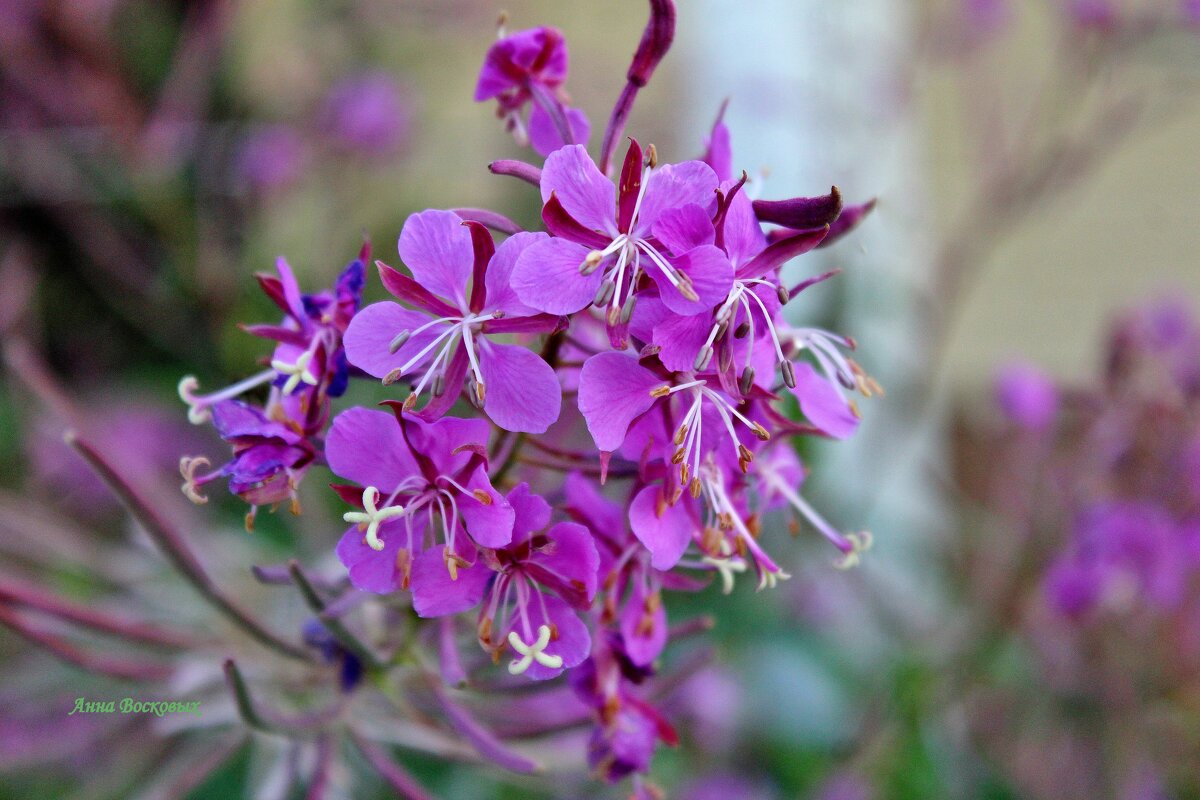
{"x": 270, "y": 158}
{"x": 417, "y": 478}
{"x": 1027, "y": 396}
{"x": 527, "y": 67}
{"x": 1091, "y": 13}
{"x": 657, "y": 226}
{"x": 1121, "y": 552}
{"x": 273, "y": 446}
{"x": 367, "y": 113}
{"x": 530, "y": 590}
{"x": 628, "y": 728}
{"x": 461, "y": 288}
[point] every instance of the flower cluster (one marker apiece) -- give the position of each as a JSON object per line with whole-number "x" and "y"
{"x": 580, "y": 418}
{"x": 275, "y": 444}
{"x": 1097, "y": 570}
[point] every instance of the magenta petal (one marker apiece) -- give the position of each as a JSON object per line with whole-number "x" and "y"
{"x": 680, "y": 340}
{"x": 586, "y": 504}
{"x": 614, "y": 390}
{"x": 582, "y": 189}
{"x": 568, "y": 564}
{"x": 711, "y": 275}
{"x": 684, "y": 228}
{"x": 367, "y": 447}
{"x": 498, "y": 279}
{"x": 522, "y": 391}
{"x": 373, "y": 329}
{"x": 664, "y": 529}
{"x": 490, "y": 524}
{"x": 532, "y": 512}
{"x": 644, "y": 631}
{"x": 573, "y": 642}
{"x": 822, "y": 403}
{"x": 544, "y": 136}
{"x": 675, "y": 185}
{"x": 436, "y": 248}
{"x": 546, "y": 277}
{"x": 291, "y": 289}
{"x": 373, "y": 570}
{"x": 436, "y": 594}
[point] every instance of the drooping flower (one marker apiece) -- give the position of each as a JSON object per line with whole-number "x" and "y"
{"x": 462, "y": 281}
{"x": 529, "y": 68}
{"x": 274, "y": 445}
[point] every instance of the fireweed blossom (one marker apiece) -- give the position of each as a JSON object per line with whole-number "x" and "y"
{"x": 461, "y": 286}
{"x": 528, "y": 69}
{"x": 275, "y": 444}
{"x": 646, "y": 317}
{"x": 1098, "y": 484}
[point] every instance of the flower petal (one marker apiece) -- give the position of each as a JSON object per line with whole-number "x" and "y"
{"x": 367, "y": 447}
{"x": 711, "y": 275}
{"x": 643, "y": 626}
{"x": 544, "y": 135}
{"x": 498, "y": 279}
{"x": 572, "y": 644}
{"x": 437, "y": 249}
{"x": 822, "y": 403}
{"x": 664, "y": 529}
{"x": 436, "y": 594}
{"x": 568, "y": 564}
{"x": 547, "y": 277}
{"x": 373, "y": 570}
{"x": 582, "y": 189}
{"x": 372, "y": 331}
{"x": 614, "y": 389}
{"x": 675, "y": 185}
{"x": 684, "y": 228}
{"x": 522, "y": 393}
{"x": 489, "y": 523}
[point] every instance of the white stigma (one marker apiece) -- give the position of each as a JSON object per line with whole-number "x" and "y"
{"x": 861, "y": 543}
{"x": 372, "y": 517}
{"x": 296, "y": 372}
{"x": 532, "y": 652}
{"x": 726, "y": 566}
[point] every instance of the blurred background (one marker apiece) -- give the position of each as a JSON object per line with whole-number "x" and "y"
{"x": 1038, "y": 185}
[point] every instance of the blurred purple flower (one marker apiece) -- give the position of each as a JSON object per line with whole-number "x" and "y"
{"x": 1092, "y": 13}
{"x": 845, "y": 786}
{"x": 1121, "y": 553}
{"x": 367, "y": 114}
{"x": 1026, "y": 396}
{"x": 270, "y": 158}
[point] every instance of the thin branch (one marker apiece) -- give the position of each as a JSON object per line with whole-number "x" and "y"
{"x": 172, "y": 544}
